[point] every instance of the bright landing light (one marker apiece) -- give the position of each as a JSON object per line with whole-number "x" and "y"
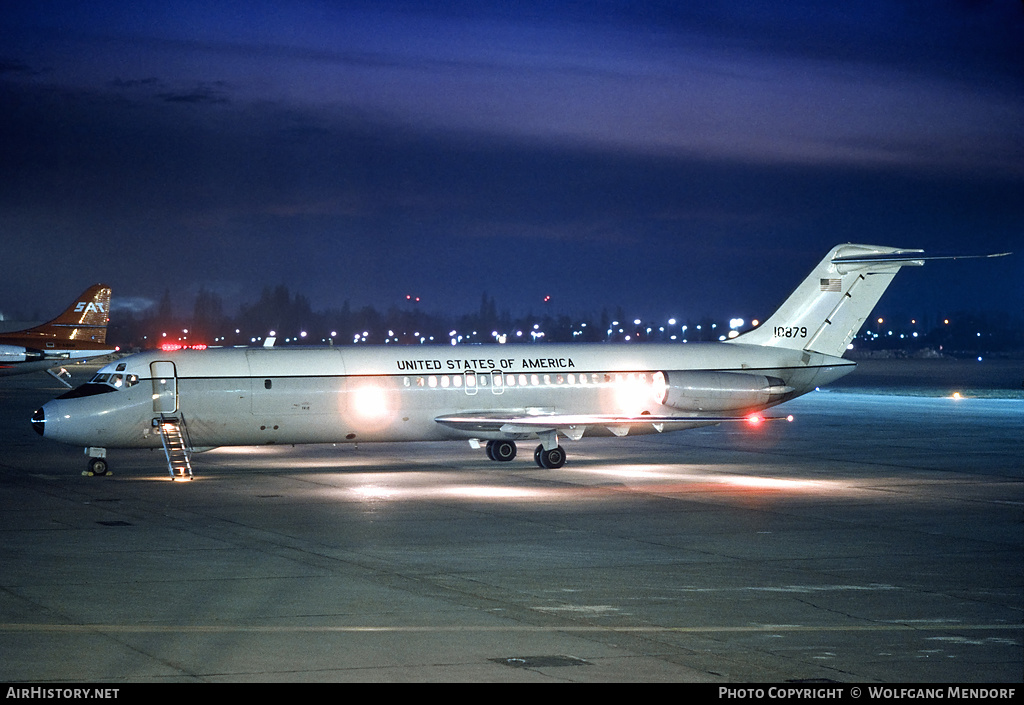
{"x": 633, "y": 393}
{"x": 370, "y": 402}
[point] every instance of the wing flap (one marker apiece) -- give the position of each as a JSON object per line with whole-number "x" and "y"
{"x": 573, "y": 426}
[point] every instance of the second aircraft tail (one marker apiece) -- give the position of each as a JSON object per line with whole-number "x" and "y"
{"x": 84, "y": 320}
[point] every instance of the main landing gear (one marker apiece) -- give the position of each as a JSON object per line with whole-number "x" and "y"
{"x": 503, "y": 451}
{"x": 549, "y": 459}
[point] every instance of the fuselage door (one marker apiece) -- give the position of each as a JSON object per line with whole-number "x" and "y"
{"x": 165, "y": 387}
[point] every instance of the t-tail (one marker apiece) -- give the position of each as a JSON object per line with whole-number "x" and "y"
{"x": 85, "y": 320}
{"x": 831, "y": 305}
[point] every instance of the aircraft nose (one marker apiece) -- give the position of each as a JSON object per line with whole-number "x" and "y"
{"x": 39, "y": 421}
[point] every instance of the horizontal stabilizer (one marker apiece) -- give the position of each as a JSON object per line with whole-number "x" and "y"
{"x": 907, "y": 257}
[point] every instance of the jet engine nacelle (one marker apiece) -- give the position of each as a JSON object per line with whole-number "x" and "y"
{"x": 721, "y": 391}
{"x": 16, "y": 353}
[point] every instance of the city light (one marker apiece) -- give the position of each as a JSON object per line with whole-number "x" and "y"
{"x": 406, "y": 327}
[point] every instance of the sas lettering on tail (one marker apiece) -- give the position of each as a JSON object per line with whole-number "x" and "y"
{"x": 78, "y": 333}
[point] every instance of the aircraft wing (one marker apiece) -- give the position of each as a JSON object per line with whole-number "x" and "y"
{"x": 574, "y": 425}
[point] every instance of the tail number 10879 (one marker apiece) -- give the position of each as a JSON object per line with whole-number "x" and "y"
{"x": 790, "y": 331}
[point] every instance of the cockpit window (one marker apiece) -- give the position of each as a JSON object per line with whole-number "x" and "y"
{"x": 115, "y": 380}
{"x": 102, "y": 383}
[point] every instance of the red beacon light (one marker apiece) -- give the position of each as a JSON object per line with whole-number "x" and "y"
{"x": 171, "y": 347}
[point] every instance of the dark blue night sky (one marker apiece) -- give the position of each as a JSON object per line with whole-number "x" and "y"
{"x": 670, "y": 158}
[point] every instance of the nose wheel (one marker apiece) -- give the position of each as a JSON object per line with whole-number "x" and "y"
{"x": 97, "y": 466}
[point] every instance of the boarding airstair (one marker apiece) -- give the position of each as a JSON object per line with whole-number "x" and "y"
{"x": 177, "y": 448}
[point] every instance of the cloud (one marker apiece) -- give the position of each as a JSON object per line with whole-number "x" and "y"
{"x": 131, "y": 304}
{"x": 203, "y": 94}
{"x": 617, "y": 157}
{"x": 14, "y": 67}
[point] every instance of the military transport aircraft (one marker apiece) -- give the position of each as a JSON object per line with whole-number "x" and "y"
{"x": 494, "y": 396}
{"x": 80, "y": 332}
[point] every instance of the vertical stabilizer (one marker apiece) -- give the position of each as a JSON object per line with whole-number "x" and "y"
{"x": 85, "y": 320}
{"x": 831, "y": 305}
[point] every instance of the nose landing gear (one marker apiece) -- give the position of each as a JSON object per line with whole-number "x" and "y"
{"x": 97, "y": 462}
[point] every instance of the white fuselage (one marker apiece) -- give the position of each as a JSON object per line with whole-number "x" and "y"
{"x": 499, "y": 394}
{"x": 253, "y": 396}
